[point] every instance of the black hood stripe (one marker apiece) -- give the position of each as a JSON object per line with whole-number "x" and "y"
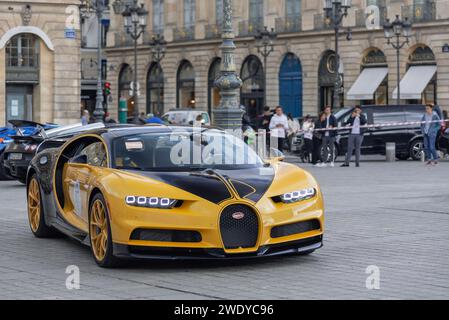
{"x": 216, "y": 185}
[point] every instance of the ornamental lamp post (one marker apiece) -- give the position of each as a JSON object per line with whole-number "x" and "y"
{"x": 88, "y": 8}
{"x": 395, "y": 30}
{"x": 135, "y": 22}
{"x": 228, "y": 115}
{"x": 265, "y": 46}
{"x": 335, "y": 11}
{"x": 158, "y": 49}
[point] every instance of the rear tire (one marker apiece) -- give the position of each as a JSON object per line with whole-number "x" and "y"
{"x": 100, "y": 235}
{"x": 4, "y": 176}
{"x": 36, "y": 214}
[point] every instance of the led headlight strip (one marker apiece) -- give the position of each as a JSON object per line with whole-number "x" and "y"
{"x": 296, "y": 196}
{"x": 152, "y": 202}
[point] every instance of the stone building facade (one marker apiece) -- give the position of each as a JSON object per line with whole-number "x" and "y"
{"x": 40, "y": 61}
{"x": 300, "y": 71}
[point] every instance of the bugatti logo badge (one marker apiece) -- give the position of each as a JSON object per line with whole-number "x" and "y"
{"x": 238, "y": 215}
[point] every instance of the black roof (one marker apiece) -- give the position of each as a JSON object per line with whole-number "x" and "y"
{"x": 117, "y": 131}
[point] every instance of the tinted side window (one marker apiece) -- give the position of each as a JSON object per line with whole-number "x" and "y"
{"x": 380, "y": 117}
{"x": 96, "y": 154}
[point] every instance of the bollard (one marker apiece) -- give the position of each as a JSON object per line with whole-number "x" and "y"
{"x": 262, "y": 143}
{"x": 423, "y": 156}
{"x": 390, "y": 151}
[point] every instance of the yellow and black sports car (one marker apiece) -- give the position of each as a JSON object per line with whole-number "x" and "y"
{"x": 172, "y": 193}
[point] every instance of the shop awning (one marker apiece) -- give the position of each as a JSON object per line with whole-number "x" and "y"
{"x": 415, "y": 81}
{"x": 367, "y": 83}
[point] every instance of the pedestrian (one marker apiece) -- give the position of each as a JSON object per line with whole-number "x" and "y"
{"x": 152, "y": 119}
{"x": 278, "y": 128}
{"x": 429, "y": 128}
{"x": 355, "y": 139}
{"x": 307, "y": 128}
{"x": 264, "y": 119}
{"x": 85, "y": 118}
{"x": 247, "y": 130}
{"x": 199, "y": 121}
{"x": 293, "y": 129}
{"x": 108, "y": 118}
{"x": 330, "y": 122}
{"x": 317, "y": 140}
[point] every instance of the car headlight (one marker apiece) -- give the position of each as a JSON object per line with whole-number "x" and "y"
{"x": 296, "y": 196}
{"x": 152, "y": 202}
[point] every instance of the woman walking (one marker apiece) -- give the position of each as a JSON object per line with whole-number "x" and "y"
{"x": 430, "y": 127}
{"x": 318, "y": 140}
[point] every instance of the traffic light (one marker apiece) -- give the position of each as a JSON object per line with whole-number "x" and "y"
{"x": 107, "y": 89}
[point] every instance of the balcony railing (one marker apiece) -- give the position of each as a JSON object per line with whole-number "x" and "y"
{"x": 361, "y": 17}
{"x": 213, "y": 31}
{"x": 420, "y": 12}
{"x": 184, "y": 34}
{"x": 250, "y": 28}
{"x": 289, "y": 24}
{"x": 320, "y": 22}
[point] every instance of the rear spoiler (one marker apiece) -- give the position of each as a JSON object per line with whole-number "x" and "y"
{"x": 27, "y": 138}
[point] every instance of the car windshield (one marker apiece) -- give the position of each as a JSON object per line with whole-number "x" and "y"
{"x": 183, "y": 151}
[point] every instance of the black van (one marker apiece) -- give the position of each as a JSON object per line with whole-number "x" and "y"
{"x": 408, "y": 138}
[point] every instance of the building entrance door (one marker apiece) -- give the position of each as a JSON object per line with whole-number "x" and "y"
{"x": 19, "y": 102}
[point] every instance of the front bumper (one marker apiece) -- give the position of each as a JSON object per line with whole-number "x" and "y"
{"x": 170, "y": 253}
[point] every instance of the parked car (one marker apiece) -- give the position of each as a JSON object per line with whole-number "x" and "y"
{"x": 185, "y": 117}
{"x": 408, "y": 138}
{"x": 21, "y": 150}
{"x": 17, "y": 127}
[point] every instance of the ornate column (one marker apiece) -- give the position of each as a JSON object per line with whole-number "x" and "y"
{"x": 228, "y": 115}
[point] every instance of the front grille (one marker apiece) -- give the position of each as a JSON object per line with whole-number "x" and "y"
{"x": 166, "y": 235}
{"x": 239, "y": 226}
{"x": 295, "y": 228}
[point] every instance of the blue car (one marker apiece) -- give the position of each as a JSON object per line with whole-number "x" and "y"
{"x": 17, "y": 128}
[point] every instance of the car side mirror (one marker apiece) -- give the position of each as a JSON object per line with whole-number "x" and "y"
{"x": 276, "y": 155}
{"x": 80, "y": 159}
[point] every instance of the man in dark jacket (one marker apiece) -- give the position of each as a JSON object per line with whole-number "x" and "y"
{"x": 355, "y": 139}
{"x": 328, "y": 146}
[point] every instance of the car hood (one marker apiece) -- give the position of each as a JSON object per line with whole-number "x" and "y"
{"x": 218, "y": 185}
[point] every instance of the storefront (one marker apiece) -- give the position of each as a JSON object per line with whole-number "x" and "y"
{"x": 419, "y": 84}
{"x": 371, "y": 86}
{"x": 213, "y": 93}
{"x": 155, "y": 90}
{"x": 327, "y": 78}
{"x": 252, "y": 94}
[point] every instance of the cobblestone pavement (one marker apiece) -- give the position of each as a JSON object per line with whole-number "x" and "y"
{"x": 391, "y": 215}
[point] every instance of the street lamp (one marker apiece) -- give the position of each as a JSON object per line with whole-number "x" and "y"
{"x": 396, "y": 29}
{"x": 335, "y": 11}
{"x": 87, "y": 8}
{"x": 135, "y": 23}
{"x": 265, "y": 46}
{"x": 158, "y": 49}
{"x": 228, "y": 115}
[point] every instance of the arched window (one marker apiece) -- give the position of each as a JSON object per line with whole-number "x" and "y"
{"x": 253, "y": 89}
{"x": 124, "y": 88}
{"x": 155, "y": 90}
{"x": 22, "y": 51}
{"x": 186, "y": 85}
{"x": 290, "y": 85}
{"x": 371, "y": 87}
{"x": 422, "y": 63}
{"x": 327, "y": 78}
{"x": 213, "y": 91}
{"x": 22, "y": 74}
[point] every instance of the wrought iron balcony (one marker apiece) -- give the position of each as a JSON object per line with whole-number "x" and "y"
{"x": 289, "y": 24}
{"x": 250, "y": 28}
{"x": 213, "y": 31}
{"x": 320, "y": 22}
{"x": 420, "y": 12}
{"x": 184, "y": 34}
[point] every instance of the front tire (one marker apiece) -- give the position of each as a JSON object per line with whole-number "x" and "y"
{"x": 36, "y": 214}
{"x": 416, "y": 149}
{"x": 100, "y": 233}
